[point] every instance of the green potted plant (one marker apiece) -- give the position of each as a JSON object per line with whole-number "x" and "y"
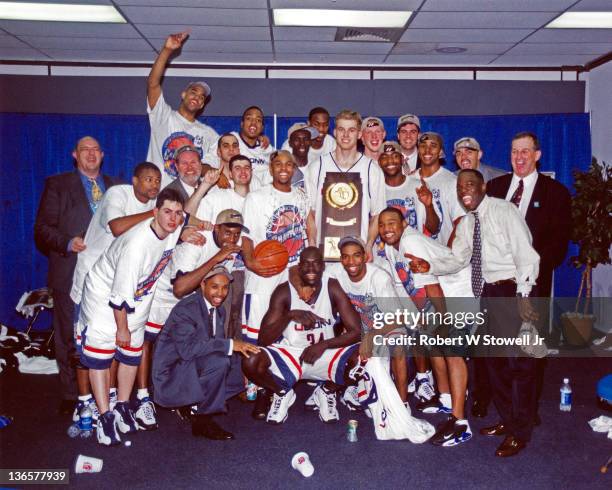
{"x": 592, "y": 232}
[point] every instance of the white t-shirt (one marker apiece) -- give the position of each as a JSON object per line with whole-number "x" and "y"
{"x": 118, "y": 201}
{"x": 217, "y": 200}
{"x": 372, "y": 185}
{"x": 373, "y": 294}
{"x": 170, "y": 131}
{"x": 126, "y": 274}
{"x": 443, "y": 186}
{"x": 274, "y": 215}
{"x": 329, "y": 145}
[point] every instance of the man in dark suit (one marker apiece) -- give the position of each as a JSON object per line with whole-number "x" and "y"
{"x": 66, "y": 207}
{"x": 192, "y": 356}
{"x": 546, "y": 206}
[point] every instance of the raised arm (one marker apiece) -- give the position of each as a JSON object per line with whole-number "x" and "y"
{"x": 154, "y": 90}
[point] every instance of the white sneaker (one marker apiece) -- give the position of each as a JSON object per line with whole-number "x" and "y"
{"x": 326, "y": 401}
{"x": 124, "y": 418}
{"x": 412, "y": 385}
{"x": 424, "y": 390}
{"x": 310, "y": 404}
{"x": 145, "y": 415}
{"x": 349, "y": 398}
{"x": 279, "y": 410}
{"x": 106, "y": 430}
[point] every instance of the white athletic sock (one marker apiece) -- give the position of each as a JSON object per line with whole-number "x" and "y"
{"x": 112, "y": 392}
{"x": 422, "y": 375}
{"x": 445, "y": 399}
{"x": 142, "y": 393}
{"x": 84, "y": 398}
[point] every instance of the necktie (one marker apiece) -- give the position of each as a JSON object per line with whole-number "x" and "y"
{"x": 96, "y": 192}
{"x": 211, "y": 324}
{"x": 518, "y": 194}
{"x": 477, "y": 259}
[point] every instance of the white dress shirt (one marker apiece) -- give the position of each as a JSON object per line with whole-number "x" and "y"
{"x": 506, "y": 246}
{"x": 410, "y": 162}
{"x": 208, "y": 307}
{"x": 529, "y": 183}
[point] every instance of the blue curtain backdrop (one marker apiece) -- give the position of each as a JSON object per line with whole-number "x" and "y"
{"x": 34, "y": 146}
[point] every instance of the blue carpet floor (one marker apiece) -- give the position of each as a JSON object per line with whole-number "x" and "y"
{"x": 564, "y": 452}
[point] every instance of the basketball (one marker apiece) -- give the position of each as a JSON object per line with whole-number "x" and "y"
{"x": 271, "y": 253}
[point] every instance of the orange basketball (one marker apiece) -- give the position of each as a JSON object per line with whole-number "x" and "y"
{"x": 271, "y": 253}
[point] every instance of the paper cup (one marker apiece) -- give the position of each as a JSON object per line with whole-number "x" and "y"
{"x": 301, "y": 462}
{"x": 87, "y": 464}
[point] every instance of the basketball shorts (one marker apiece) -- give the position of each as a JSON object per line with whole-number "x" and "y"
{"x": 98, "y": 346}
{"x": 254, "y": 307}
{"x": 157, "y": 318}
{"x": 287, "y": 369}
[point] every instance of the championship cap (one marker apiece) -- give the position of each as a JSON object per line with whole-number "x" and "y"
{"x": 431, "y": 135}
{"x": 408, "y": 119}
{"x": 391, "y": 147}
{"x": 231, "y": 217}
{"x": 467, "y": 142}
{"x": 204, "y": 86}
{"x": 186, "y": 148}
{"x": 314, "y": 133}
{"x": 352, "y": 239}
{"x": 372, "y": 122}
{"x": 216, "y": 270}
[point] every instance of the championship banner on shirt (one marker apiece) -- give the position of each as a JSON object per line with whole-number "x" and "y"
{"x": 340, "y": 212}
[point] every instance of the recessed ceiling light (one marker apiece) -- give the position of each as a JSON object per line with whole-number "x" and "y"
{"x": 340, "y": 18}
{"x": 60, "y": 12}
{"x": 451, "y": 50}
{"x": 583, "y": 20}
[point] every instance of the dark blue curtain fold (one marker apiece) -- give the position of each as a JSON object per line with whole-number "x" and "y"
{"x": 34, "y": 146}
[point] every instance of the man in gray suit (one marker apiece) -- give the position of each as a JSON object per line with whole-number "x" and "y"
{"x": 67, "y": 205}
{"x": 192, "y": 355}
{"x": 468, "y": 154}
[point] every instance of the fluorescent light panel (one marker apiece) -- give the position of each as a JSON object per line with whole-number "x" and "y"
{"x": 60, "y": 12}
{"x": 582, "y": 20}
{"x": 340, "y": 18}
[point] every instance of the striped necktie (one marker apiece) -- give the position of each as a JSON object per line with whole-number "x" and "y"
{"x": 476, "y": 261}
{"x": 518, "y": 194}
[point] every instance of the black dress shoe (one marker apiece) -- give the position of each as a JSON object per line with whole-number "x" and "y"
{"x": 262, "y": 405}
{"x": 479, "y": 409}
{"x": 66, "y": 407}
{"x": 498, "y": 429}
{"x": 205, "y": 426}
{"x": 510, "y": 447}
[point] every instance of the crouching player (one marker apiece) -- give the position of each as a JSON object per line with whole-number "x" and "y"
{"x": 309, "y": 348}
{"x": 115, "y": 305}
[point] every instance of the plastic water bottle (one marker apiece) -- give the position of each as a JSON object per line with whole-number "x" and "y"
{"x": 73, "y": 431}
{"x": 251, "y": 392}
{"x": 566, "y": 396}
{"x": 85, "y": 422}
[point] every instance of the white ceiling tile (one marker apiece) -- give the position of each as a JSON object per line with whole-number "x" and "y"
{"x": 482, "y": 20}
{"x": 440, "y": 59}
{"x": 543, "y": 60}
{"x": 320, "y": 74}
{"x": 464, "y": 35}
{"x": 214, "y": 33}
{"x": 339, "y": 59}
{"x": 496, "y": 5}
{"x": 339, "y": 47}
{"x": 68, "y": 29}
{"x": 95, "y": 55}
{"x": 471, "y": 48}
{"x": 348, "y": 4}
{"x": 242, "y": 58}
{"x": 197, "y": 16}
{"x": 519, "y": 75}
{"x": 304, "y": 33}
{"x": 229, "y": 4}
{"x": 561, "y": 48}
{"x": 226, "y": 46}
{"x": 103, "y": 44}
{"x": 423, "y": 75}
{"x": 593, "y": 6}
{"x": 21, "y": 54}
{"x": 571, "y": 36}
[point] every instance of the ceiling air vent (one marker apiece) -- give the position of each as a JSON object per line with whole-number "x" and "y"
{"x": 368, "y": 35}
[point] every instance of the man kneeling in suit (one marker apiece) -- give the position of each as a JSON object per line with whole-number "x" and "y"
{"x": 192, "y": 356}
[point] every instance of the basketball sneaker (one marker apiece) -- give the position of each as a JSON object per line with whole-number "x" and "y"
{"x": 350, "y": 400}
{"x": 452, "y": 432}
{"x": 106, "y": 430}
{"x": 424, "y": 390}
{"x": 95, "y": 413}
{"x": 279, "y": 410}
{"x": 145, "y": 414}
{"x": 125, "y": 418}
{"x": 412, "y": 385}
{"x": 326, "y": 401}
{"x": 433, "y": 406}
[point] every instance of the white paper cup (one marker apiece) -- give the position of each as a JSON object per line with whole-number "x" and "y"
{"x": 87, "y": 464}
{"x": 301, "y": 462}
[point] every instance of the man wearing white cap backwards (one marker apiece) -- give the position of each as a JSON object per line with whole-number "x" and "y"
{"x": 172, "y": 129}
